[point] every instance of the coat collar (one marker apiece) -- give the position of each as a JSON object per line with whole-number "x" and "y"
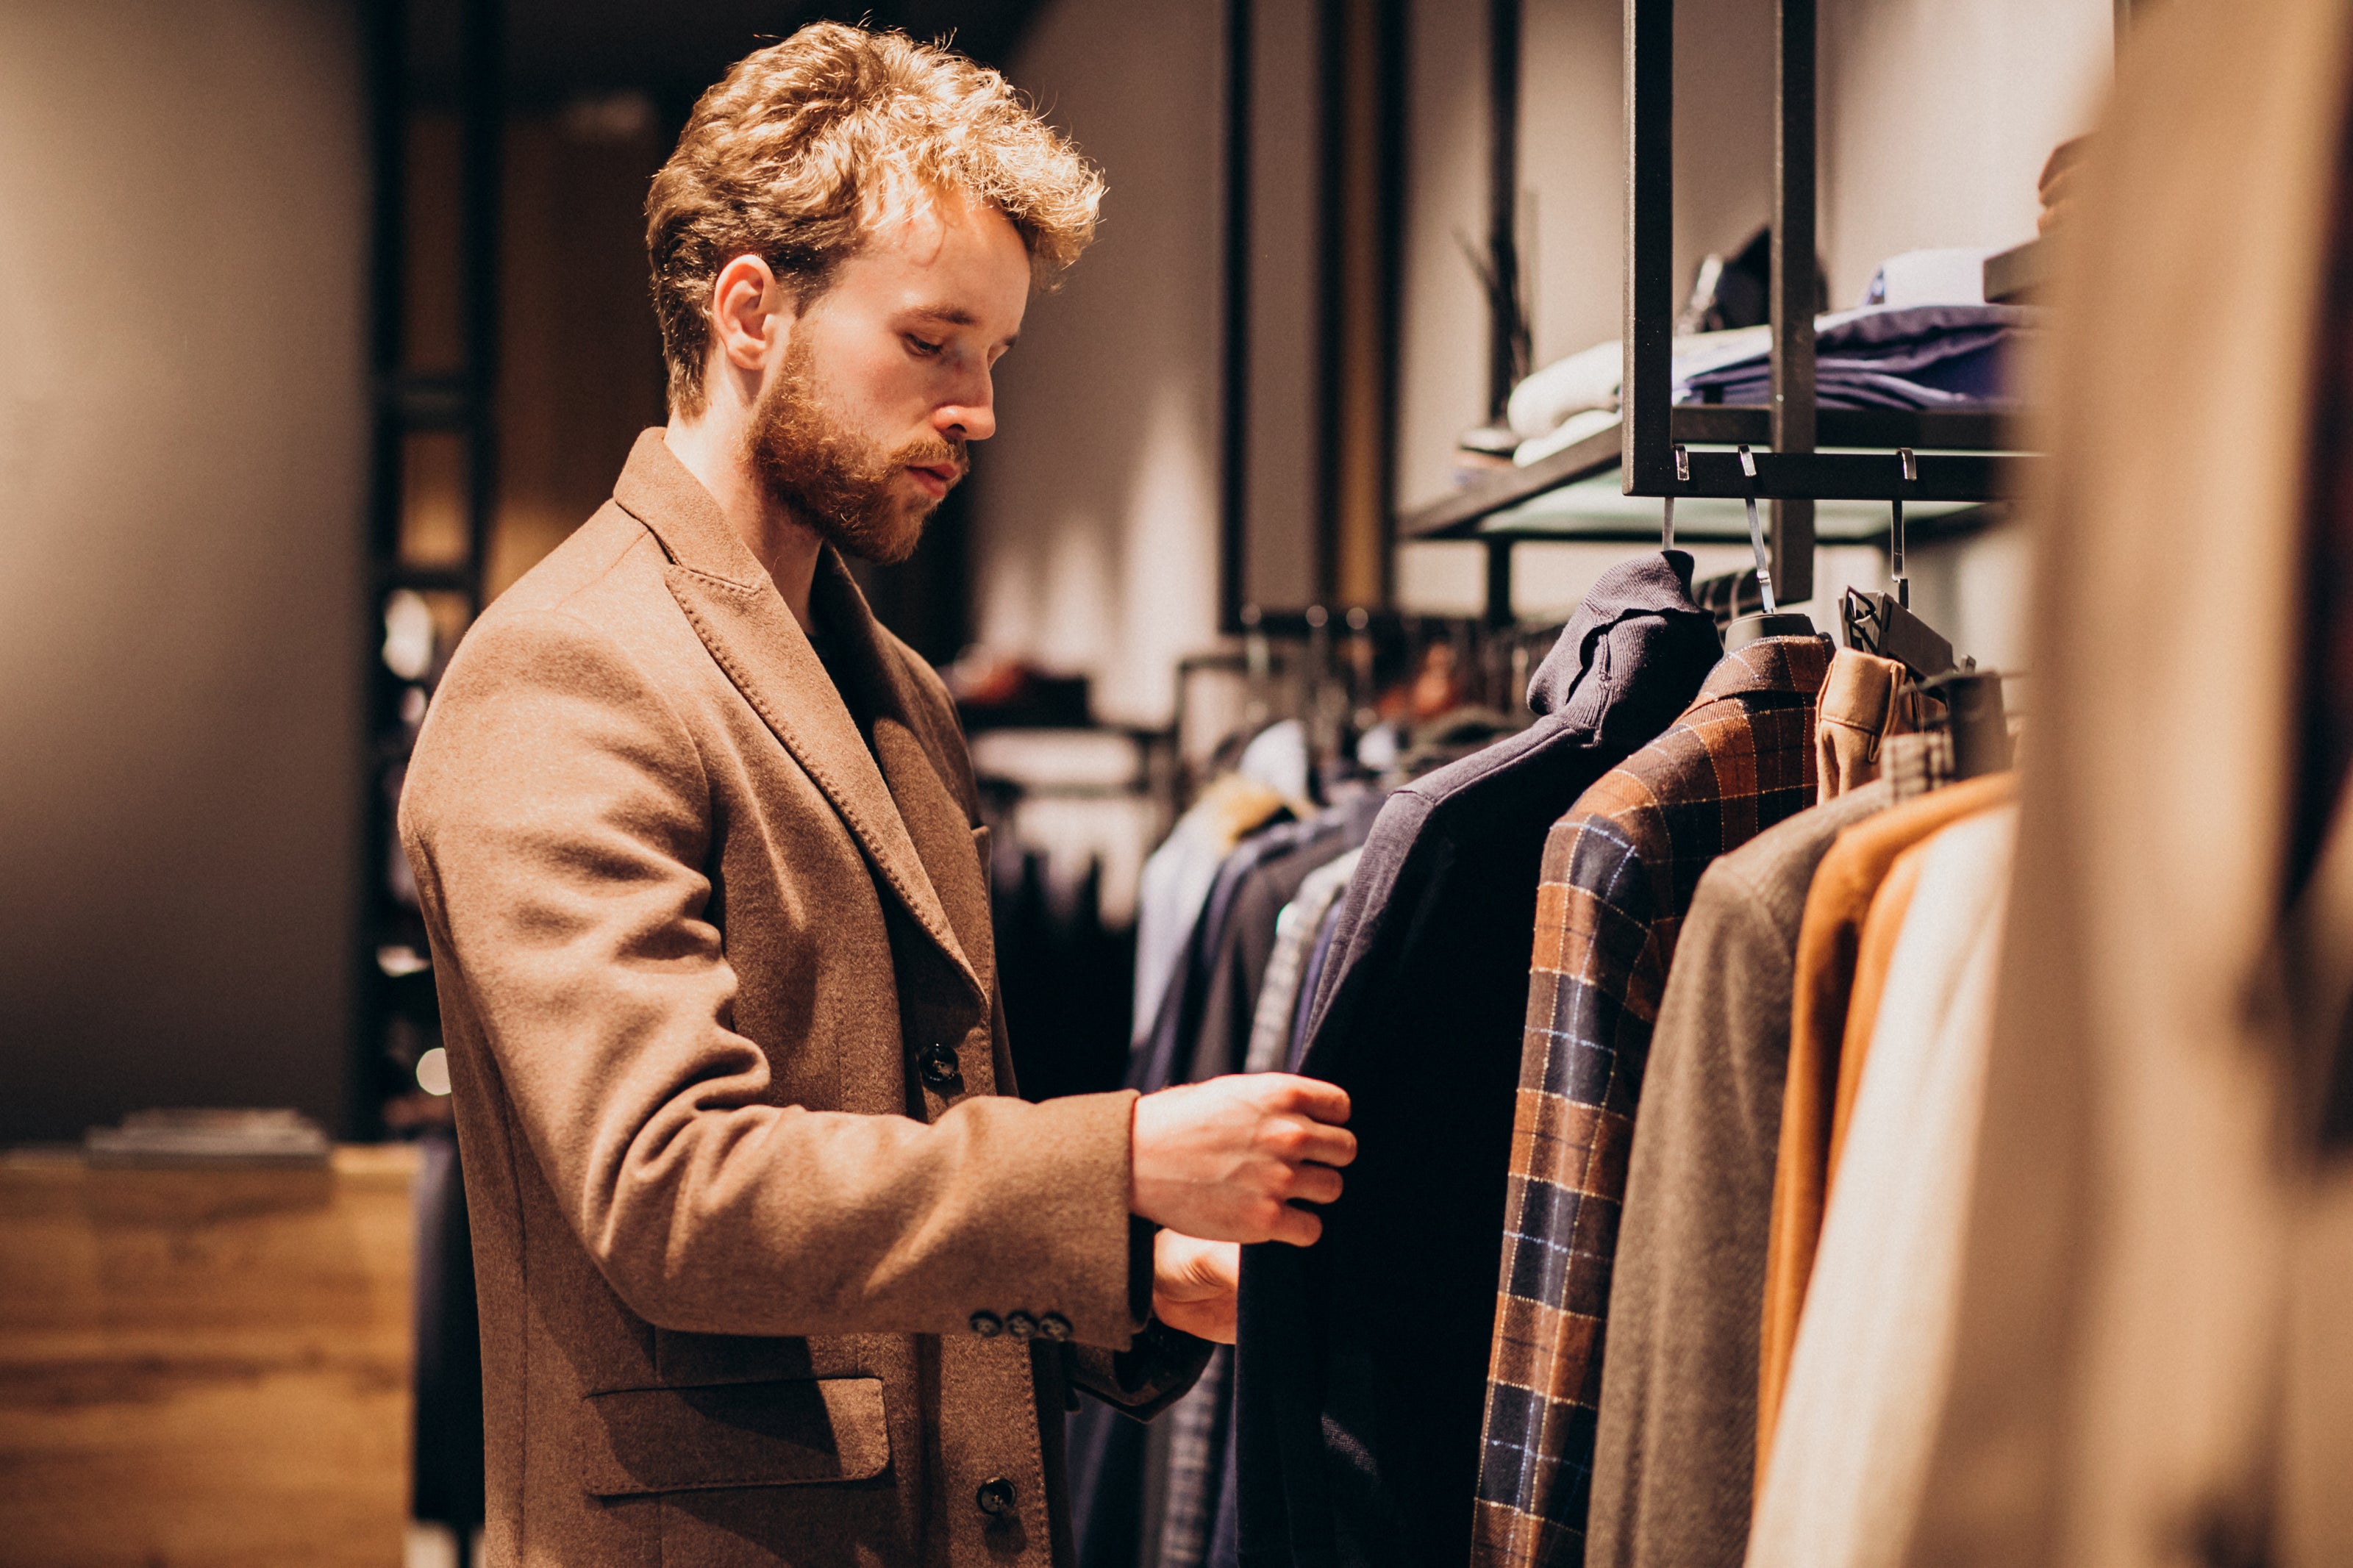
{"x": 1631, "y": 659}
{"x": 891, "y": 796}
{"x": 1770, "y": 664}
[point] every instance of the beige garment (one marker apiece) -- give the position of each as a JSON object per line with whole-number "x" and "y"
{"x": 695, "y": 934}
{"x": 1851, "y": 1455}
{"x": 2154, "y": 1364}
{"x": 1865, "y": 699}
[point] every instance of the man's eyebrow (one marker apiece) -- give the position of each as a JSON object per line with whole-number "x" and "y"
{"x": 955, "y": 316}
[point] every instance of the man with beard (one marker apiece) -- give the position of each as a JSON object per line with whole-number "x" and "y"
{"x": 774, "y": 1267}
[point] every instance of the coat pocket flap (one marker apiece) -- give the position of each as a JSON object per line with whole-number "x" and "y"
{"x": 783, "y": 1433}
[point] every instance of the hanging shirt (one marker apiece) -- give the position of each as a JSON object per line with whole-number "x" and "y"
{"x": 1178, "y": 878}
{"x": 1851, "y": 1460}
{"x": 1294, "y": 934}
{"x": 1362, "y": 1359}
{"x": 1618, "y": 873}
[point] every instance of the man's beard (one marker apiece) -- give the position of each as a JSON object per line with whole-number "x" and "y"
{"x": 833, "y": 479}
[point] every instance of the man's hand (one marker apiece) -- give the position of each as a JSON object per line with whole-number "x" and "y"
{"x": 1223, "y": 1159}
{"x": 1194, "y": 1283}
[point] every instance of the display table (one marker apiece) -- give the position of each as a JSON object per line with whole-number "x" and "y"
{"x": 204, "y": 1368}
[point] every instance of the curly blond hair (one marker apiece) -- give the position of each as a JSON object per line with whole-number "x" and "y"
{"x": 803, "y": 145}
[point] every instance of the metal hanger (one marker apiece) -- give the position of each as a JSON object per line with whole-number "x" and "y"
{"x": 1667, "y": 518}
{"x": 1883, "y": 623}
{"x": 1771, "y": 622}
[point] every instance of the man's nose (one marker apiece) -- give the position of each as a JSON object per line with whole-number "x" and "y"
{"x": 975, "y": 417}
{"x": 976, "y": 421}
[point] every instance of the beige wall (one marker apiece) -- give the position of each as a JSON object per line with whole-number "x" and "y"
{"x": 183, "y": 192}
{"x": 1095, "y": 532}
{"x": 1937, "y": 115}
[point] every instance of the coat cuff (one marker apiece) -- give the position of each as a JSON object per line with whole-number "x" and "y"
{"x": 1055, "y": 1222}
{"x": 1155, "y": 1370}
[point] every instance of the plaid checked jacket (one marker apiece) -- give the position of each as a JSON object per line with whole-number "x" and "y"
{"x": 1618, "y": 873}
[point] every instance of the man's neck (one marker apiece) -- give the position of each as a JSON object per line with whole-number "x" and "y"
{"x": 713, "y": 451}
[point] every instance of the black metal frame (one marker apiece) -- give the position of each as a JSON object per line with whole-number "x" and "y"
{"x": 1959, "y": 457}
{"x": 1506, "y": 327}
{"x": 403, "y": 403}
{"x": 1233, "y": 512}
{"x": 1793, "y": 470}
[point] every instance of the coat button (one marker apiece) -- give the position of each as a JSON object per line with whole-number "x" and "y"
{"x": 1054, "y": 1326}
{"x": 995, "y": 1497}
{"x": 987, "y": 1325}
{"x": 938, "y": 1067}
{"x": 1020, "y": 1325}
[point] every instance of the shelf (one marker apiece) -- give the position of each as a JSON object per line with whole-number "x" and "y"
{"x": 1967, "y": 440}
{"x": 1594, "y": 510}
{"x": 1458, "y": 516}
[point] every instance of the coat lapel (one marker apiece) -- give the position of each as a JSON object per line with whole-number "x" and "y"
{"x": 913, "y": 754}
{"x": 742, "y": 619}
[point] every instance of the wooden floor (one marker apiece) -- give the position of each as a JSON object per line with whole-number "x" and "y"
{"x": 204, "y": 1369}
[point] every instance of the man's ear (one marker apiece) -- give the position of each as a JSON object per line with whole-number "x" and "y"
{"x": 748, "y": 307}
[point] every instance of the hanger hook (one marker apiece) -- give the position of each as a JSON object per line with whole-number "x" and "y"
{"x": 1667, "y": 515}
{"x": 1757, "y": 531}
{"x": 1911, "y": 471}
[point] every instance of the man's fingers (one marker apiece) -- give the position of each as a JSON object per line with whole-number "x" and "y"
{"x": 1297, "y": 1226}
{"x": 1316, "y": 1184}
{"x": 1323, "y": 1144}
{"x": 1310, "y": 1097}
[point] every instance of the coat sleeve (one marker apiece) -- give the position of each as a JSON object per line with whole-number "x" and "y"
{"x": 558, "y": 818}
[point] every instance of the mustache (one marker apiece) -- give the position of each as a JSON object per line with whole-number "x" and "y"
{"x": 935, "y": 452}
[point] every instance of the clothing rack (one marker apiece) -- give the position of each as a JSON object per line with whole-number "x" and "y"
{"x": 1661, "y": 450}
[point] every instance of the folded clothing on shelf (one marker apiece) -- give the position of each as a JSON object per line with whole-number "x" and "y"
{"x": 1921, "y": 356}
{"x": 1955, "y": 356}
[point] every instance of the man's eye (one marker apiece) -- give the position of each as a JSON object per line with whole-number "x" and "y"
{"x": 920, "y": 347}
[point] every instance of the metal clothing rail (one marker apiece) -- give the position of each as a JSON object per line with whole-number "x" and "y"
{"x": 1959, "y": 457}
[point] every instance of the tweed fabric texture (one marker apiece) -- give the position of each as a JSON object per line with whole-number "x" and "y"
{"x": 1620, "y": 869}
{"x": 1914, "y": 765}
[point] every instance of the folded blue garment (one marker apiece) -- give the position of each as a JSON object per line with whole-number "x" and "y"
{"x": 1924, "y": 357}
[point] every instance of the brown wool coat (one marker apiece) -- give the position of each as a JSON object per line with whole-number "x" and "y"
{"x": 692, "y": 934}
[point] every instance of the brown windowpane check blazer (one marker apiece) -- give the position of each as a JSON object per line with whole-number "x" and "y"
{"x": 1618, "y": 873}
